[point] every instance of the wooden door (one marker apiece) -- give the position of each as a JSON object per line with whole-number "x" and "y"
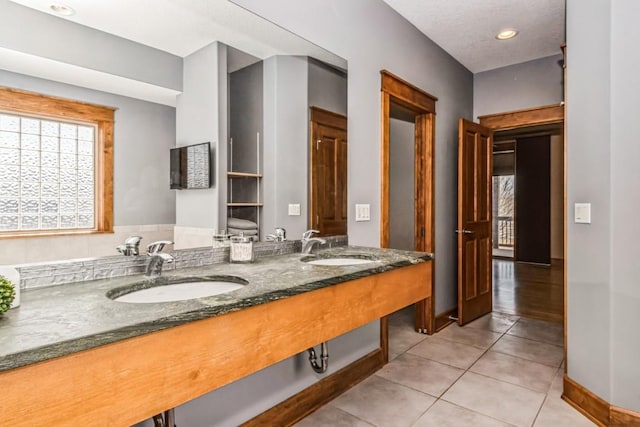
{"x": 474, "y": 221}
{"x": 328, "y": 205}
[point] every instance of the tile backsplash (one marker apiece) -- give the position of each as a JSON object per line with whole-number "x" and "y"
{"x": 78, "y": 270}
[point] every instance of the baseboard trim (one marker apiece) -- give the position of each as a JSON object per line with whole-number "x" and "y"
{"x": 595, "y": 408}
{"x": 308, "y": 400}
{"x": 443, "y": 320}
{"x": 623, "y": 417}
{"x": 589, "y": 404}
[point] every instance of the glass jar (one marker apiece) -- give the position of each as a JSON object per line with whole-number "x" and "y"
{"x": 220, "y": 240}
{"x": 241, "y": 249}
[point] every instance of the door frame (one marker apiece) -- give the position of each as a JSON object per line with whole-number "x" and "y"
{"x": 519, "y": 119}
{"x": 548, "y": 114}
{"x": 400, "y": 93}
{"x": 545, "y": 115}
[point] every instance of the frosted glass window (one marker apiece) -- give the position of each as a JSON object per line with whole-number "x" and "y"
{"x": 49, "y": 174}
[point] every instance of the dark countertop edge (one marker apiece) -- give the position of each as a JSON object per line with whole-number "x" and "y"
{"x": 65, "y": 348}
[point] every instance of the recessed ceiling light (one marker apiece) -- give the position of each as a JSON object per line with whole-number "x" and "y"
{"x": 61, "y": 9}
{"x": 506, "y": 34}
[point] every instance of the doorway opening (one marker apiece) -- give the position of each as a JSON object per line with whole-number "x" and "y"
{"x": 408, "y": 127}
{"x": 528, "y": 187}
{"x": 528, "y": 265}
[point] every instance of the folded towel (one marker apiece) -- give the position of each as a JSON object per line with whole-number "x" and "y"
{"x": 235, "y": 231}
{"x": 241, "y": 224}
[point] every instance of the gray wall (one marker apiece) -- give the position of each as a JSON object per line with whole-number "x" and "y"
{"x": 355, "y": 34}
{"x": 86, "y": 47}
{"x": 603, "y": 153}
{"x": 401, "y": 185}
{"x": 625, "y": 202}
{"x": 327, "y": 87}
{"x": 143, "y": 134}
{"x": 516, "y": 87}
{"x": 201, "y": 117}
{"x": 588, "y": 148}
{"x": 286, "y": 106}
{"x": 245, "y": 115}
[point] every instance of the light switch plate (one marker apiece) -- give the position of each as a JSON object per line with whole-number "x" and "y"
{"x": 582, "y": 213}
{"x": 363, "y": 212}
{"x": 294, "y": 209}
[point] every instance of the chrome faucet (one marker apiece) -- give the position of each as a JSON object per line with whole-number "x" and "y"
{"x": 308, "y": 242}
{"x": 131, "y": 246}
{"x": 158, "y": 258}
{"x": 279, "y": 235}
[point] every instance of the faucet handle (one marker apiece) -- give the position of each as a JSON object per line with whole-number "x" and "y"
{"x": 133, "y": 240}
{"x": 281, "y": 234}
{"x": 307, "y": 234}
{"x": 156, "y": 247}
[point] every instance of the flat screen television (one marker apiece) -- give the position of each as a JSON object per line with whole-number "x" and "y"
{"x": 190, "y": 167}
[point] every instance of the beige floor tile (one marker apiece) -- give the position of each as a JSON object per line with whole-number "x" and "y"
{"x": 536, "y": 351}
{"x": 496, "y": 322}
{"x": 445, "y": 414}
{"x": 330, "y": 416}
{"x": 480, "y": 338}
{"x": 384, "y": 403}
{"x": 556, "y": 386}
{"x": 557, "y": 413}
{"x": 404, "y": 317}
{"x": 420, "y": 374}
{"x": 538, "y": 330}
{"x": 401, "y": 339}
{"x": 507, "y": 402}
{"x": 515, "y": 370}
{"x": 448, "y": 352}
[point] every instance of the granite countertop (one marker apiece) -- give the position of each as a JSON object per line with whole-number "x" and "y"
{"x": 60, "y": 320}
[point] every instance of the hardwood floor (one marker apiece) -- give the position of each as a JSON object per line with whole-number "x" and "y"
{"x": 528, "y": 290}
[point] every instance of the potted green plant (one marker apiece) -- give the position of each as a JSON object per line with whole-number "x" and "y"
{"x": 7, "y": 294}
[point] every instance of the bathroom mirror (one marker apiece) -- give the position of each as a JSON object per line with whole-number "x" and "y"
{"x": 91, "y": 57}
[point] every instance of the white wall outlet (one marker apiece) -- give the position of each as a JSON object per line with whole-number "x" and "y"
{"x": 294, "y": 209}
{"x": 363, "y": 212}
{"x": 582, "y": 213}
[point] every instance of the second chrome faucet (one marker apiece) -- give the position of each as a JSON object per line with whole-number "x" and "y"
{"x": 309, "y": 242}
{"x": 157, "y": 258}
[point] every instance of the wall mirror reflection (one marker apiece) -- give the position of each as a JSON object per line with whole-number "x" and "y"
{"x": 194, "y": 71}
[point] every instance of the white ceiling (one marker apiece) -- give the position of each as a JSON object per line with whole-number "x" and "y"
{"x": 181, "y": 27}
{"x": 466, "y": 29}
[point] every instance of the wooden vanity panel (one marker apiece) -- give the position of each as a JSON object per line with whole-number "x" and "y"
{"x": 125, "y": 382}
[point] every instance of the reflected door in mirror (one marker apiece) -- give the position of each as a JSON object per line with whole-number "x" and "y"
{"x": 328, "y": 148}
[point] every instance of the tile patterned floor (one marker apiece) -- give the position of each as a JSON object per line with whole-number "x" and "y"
{"x": 500, "y": 370}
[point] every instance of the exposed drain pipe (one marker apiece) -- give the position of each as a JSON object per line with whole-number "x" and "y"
{"x": 324, "y": 358}
{"x": 166, "y": 419}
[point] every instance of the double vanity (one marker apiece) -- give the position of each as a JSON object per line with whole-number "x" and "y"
{"x": 118, "y": 351}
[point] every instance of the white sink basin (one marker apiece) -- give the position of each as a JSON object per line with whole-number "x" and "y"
{"x": 178, "y": 292}
{"x": 339, "y": 261}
